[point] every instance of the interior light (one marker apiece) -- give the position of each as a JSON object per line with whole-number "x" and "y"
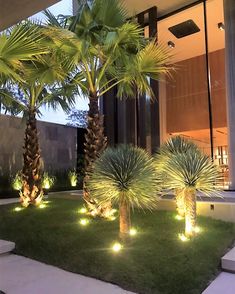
{"x": 171, "y": 44}
{"x": 221, "y": 26}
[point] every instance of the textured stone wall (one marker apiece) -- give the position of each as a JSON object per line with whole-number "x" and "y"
{"x": 57, "y": 143}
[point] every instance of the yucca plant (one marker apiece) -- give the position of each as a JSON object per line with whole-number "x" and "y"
{"x": 190, "y": 172}
{"x": 173, "y": 146}
{"x": 125, "y": 176}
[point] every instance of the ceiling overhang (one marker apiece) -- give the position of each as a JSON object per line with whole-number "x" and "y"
{"x": 164, "y": 6}
{"x": 13, "y": 11}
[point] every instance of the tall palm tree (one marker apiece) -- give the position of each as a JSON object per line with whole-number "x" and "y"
{"x": 173, "y": 146}
{"x": 124, "y": 175}
{"x": 109, "y": 52}
{"x": 190, "y": 172}
{"x": 40, "y": 83}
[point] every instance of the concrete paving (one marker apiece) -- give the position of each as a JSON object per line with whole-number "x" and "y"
{"x": 21, "y": 275}
{"x": 6, "y": 246}
{"x": 223, "y": 284}
{"x": 9, "y": 201}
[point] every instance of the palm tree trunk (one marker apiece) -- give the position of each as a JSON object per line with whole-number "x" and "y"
{"x": 95, "y": 143}
{"x": 180, "y": 205}
{"x": 32, "y": 191}
{"x": 124, "y": 219}
{"x": 190, "y": 212}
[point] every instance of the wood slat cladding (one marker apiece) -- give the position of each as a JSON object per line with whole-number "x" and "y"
{"x": 186, "y": 91}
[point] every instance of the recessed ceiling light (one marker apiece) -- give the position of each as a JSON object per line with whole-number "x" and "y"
{"x": 221, "y": 26}
{"x": 171, "y": 44}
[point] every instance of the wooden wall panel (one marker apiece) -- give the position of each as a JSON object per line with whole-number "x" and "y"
{"x": 187, "y": 102}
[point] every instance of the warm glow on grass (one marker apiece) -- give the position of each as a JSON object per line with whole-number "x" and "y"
{"x": 197, "y": 230}
{"x": 42, "y": 205}
{"x": 111, "y": 218}
{"x": 83, "y": 210}
{"x": 84, "y": 221}
{"x": 183, "y": 238}
{"x": 179, "y": 217}
{"x": 18, "y": 209}
{"x": 133, "y": 231}
{"x": 116, "y": 247}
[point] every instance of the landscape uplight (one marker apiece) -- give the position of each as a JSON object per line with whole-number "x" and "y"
{"x": 84, "y": 221}
{"x": 18, "y": 208}
{"x": 133, "y": 231}
{"x": 116, "y": 247}
{"x": 183, "y": 238}
{"x": 179, "y": 217}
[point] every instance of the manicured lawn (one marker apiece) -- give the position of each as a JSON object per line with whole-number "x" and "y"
{"x": 155, "y": 261}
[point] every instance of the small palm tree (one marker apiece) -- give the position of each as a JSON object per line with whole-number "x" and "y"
{"x": 190, "y": 172}
{"x": 124, "y": 175}
{"x": 40, "y": 83}
{"x": 109, "y": 52}
{"x": 175, "y": 145}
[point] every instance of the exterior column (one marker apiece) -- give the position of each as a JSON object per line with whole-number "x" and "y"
{"x": 229, "y": 15}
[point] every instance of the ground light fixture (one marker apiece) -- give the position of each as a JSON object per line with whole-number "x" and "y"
{"x": 116, "y": 247}
{"x": 183, "y": 238}
{"x": 18, "y": 208}
{"x": 84, "y": 221}
{"x": 83, "y": 210}
{"x": 133, "y": 232}
{"x": 179, "y": 217}
{"x": 42, "y": 206}
{"x": 197, "y": 230}
{"x": 221, "y": 26}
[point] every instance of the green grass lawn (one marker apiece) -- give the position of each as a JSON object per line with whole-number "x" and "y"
{"x": 155, "y": 261}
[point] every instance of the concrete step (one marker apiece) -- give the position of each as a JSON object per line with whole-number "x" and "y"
{"x": 6, "y": 246}
{"x": 228, "y": 261}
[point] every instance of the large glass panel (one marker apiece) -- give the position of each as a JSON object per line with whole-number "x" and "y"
{"x": 216, "y": 49}
{"x": 184, "y": 94}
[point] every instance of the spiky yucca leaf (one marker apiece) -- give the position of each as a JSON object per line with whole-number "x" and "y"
{"x": 191, "y": 170}
{"x": 174, "y": 145}
{"x": 125, "y": 171}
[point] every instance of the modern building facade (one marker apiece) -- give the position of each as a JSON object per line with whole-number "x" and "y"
{"x": 197, "y": 100}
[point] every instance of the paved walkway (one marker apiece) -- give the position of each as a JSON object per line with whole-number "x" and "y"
{"x": 223, "y": 284}
{"x": 20, "y": 275}
{"x": 8, "y": 201}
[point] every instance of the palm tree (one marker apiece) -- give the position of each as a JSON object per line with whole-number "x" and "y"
{"x": 173, "y": 146}
{"x": 190, "y": 172}
{"x": 18, "y": 44}
{"x": 124, "y": 175}
{"x": 40, "y": 83}
{"x": 109, "y": 51}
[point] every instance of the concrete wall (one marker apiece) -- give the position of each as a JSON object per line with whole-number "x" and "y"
{"x": 218, "y": 210}
{"x": 57, "y": 143}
